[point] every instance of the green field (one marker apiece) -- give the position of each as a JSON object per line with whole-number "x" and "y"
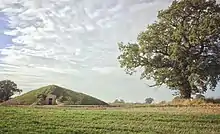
{"x": 152, "y": 120}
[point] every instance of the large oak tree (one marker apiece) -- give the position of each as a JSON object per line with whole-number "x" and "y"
{"x": 181, "y": 49}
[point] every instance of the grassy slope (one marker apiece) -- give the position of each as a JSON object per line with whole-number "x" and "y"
{"x": 37, "y": 120}
{"x": 69, "y": 97}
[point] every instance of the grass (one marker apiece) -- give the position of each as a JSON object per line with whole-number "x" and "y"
{"x": 65, "y": 96}
{"x": 152, "y": 120}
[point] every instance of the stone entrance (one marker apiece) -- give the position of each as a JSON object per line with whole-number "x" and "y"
{"x": 50, "y": 99}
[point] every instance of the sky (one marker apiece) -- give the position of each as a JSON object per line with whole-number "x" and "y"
{"x": 73, "y": 44}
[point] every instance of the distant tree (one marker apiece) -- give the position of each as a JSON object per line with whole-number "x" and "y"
{"x": 119, "y": 101}
{"x": 180, "y": 50}
{"x": 149, "y": 100}
{"x": 7, "y": 89}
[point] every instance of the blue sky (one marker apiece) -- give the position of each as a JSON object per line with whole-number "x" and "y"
{"x": 4, "y": 39}
{"x": 74, "y": 44}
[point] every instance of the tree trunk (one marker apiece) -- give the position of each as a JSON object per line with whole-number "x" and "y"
{"x": 185, "y": 91}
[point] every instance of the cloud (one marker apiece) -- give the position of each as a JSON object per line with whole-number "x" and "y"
{"x": 104, "y": 70}
{"x": 65, "y": 41}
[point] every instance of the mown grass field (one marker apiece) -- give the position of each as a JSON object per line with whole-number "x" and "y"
{"x": 152, "y": 120}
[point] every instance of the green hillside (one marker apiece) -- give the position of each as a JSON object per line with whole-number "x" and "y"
{"x": 63, "y": 96}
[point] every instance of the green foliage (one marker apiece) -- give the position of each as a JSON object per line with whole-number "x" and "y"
{"x": 181, "y": 49}
{"x": 7, "y": 89}
{"x": 66, "y": 96}
{"x": 149, "y": 100}
{"x": 65, "y": 120}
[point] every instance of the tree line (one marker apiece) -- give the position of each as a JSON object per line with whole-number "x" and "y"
{"x": 121, "y": 101}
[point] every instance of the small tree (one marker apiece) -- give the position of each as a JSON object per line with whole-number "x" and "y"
{"x": 149, "y": 100}
{"x": 7, "y": 89}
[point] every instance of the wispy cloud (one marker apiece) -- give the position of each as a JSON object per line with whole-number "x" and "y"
{"x": 69, "y": 41}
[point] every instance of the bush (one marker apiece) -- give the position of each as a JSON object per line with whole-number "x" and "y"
{"x": 213, "y": 100}
{"x": 179, "y": 101}
{"x": 149, "y": 100}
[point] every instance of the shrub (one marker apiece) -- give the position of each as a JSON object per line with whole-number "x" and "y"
{"x": 180, "y": 101}
{"x": 213, "y": 100}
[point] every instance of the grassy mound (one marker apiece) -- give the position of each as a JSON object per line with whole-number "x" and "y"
{"x": 63, "y": 96}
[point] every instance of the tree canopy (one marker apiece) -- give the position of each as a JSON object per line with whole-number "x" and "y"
{"x": 149, "y": 100}
{"x": 181, "y": 49}
{"x": 7, "y": 89}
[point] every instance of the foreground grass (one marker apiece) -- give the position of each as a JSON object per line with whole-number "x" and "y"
{"x": 147, "y": 120}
